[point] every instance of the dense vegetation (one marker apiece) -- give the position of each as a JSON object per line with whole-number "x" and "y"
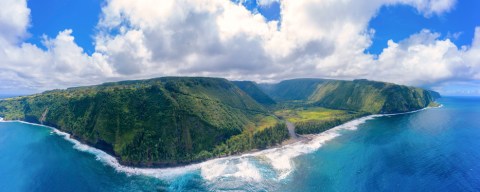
{"x": 252, "y": 89}
{"x": 434, "y": 95}
{"x": 358, "y": 95}
{"x": 316, "y": 119}
{"x": 249, "y": 140}
{"x": 370, "y": 96}
{"x": 164, "y": 121}
{"x": 312, "y": 127}
{"x": 310, "y": 114}
{"x": 304, "y": 101}
{"x": 294, "y": 89}
{"x": 177, "y": 120}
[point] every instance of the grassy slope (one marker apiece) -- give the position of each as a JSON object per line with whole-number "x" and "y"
{"x": 316, "y": 119}
{"x": 310, "y": 114}
{"x": 158, "y": 122}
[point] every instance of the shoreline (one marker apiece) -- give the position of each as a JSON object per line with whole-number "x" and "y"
{"x": 307, "y": 139}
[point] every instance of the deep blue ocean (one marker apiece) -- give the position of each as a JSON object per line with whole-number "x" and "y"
{"x": 436, "y": 149}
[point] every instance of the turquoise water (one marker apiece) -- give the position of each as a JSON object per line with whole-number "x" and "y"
{"x": 430, "y": 150}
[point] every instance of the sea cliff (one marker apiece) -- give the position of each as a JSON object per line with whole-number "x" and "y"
{"x": 173, "y": 121}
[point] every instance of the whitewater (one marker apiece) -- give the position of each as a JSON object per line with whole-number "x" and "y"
{"x": 432, "y": 150}
{"x": 270, "y": 164}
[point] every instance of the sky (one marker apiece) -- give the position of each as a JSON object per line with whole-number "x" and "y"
{"x": 52, "y": 44}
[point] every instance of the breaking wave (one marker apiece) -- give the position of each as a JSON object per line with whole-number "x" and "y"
{"x": 273, "y": 164}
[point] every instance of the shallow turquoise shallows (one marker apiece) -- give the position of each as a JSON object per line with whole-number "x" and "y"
{"x": 431, "y": 150}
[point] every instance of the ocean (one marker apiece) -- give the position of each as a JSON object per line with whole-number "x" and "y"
{"x": 436, "y": 149}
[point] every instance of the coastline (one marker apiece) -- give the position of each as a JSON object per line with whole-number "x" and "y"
{"x": 280, "y": 156}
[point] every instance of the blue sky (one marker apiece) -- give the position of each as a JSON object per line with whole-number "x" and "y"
{"x": 398, "y": 22}
{"x": 51, "y": 16}
{"x": 70, "y": 43}
{"x": 392, "y": 22}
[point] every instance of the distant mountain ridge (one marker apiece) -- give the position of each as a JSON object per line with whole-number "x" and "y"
{"x": 252, "y": 89}
{"x": 357, "y": 95}
{"x": 293, "y": 89}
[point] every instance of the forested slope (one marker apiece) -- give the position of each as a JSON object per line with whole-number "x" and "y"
{"x": 255, "y": 92}
{"x": 357, "y": 95}
{"x": 178, "y": 120}
{"x": 157, "y": 122}
{"x": 293, "y": 89}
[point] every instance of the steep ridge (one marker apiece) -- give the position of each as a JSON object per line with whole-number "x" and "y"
{"x": 252, "y": 89}
{"x": 293, "y": 89}
{"x": 316, "y": 105}
{"x": 157, "y": 122}
{"x": 357, "y": 95}
{"x": 370, "y": 96}
{"x": 173, "y": 121}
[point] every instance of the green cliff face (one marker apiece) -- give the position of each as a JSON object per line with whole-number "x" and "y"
{"x": 294, "y": 89}
{"x": 358, "y": 95}
{"x": 177, "y": 120}
{"x": 316, "y": 105}
{"x": 370, "y": 96}
{"x": 252, "y": 89}
{"x": 158, "y": 122}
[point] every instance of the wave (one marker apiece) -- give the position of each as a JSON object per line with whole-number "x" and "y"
{"x": 113, "y": 162}
{"x": 276, "y": 163}
{"x": 282, "y": 158}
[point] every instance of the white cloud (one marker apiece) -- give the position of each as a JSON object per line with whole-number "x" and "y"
{"x": 431, "y": 7}
{"x": 316, "y": 38}
{"x": 63, "y": 64}
{"x": 422, "y": 59}
{"x": 472, "y": 55}
{"x": 191, "y": 38}
{"x": 14, "y": 19}
{"x": 266, "y": 3}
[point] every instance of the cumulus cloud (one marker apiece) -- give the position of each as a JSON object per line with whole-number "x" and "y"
{"x": 266, "y": 3}
{"x": 431, "y": 7}
{"x": 183, "y": 38}
{"x": 472, "y": 55}
{"x": 26, "y": 67}
{"x": 14, "y": 20}
{"x": 422, "y": 57}
{"x": 221, "y": 38}
{"x": 316, "y": 38}
{"x": 63, "y": 63}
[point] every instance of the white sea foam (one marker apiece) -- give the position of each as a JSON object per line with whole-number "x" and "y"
{"x": 113, "y": 162}
{"x": 247, "y": 171}
{"x": 213, "y": 169}
{"x": 240, "y": 167}
{"x": 282, "y": 158}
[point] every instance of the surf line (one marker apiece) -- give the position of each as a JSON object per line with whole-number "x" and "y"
{"x": 280, "y": 157}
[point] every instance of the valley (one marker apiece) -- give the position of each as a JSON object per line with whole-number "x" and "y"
{"x": 173, "y": 121}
